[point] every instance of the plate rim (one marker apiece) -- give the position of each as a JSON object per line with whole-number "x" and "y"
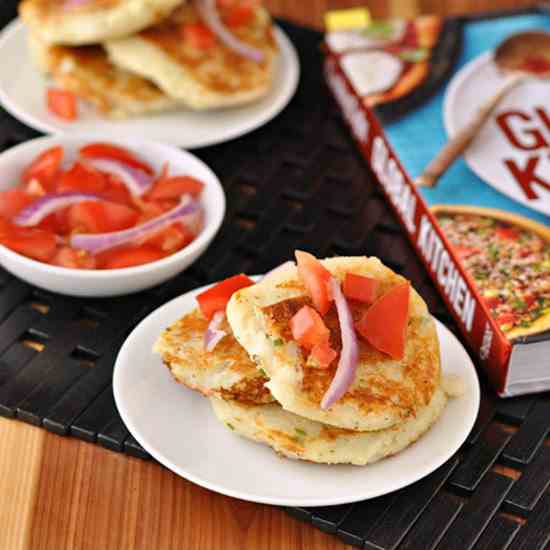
{"x": 288, "y": 56}
{"x": 422, "y": 472}
{"x": 450, "y": 100}
{"x": 457, "y": 80}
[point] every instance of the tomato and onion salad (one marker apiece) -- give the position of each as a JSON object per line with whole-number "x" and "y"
{"x": 107, "y": 209}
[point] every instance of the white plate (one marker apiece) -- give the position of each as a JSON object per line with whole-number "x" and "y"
{"x": 23, "y": 88}
{"x": 469, "y": 88}
{"x": 178, "y": 428}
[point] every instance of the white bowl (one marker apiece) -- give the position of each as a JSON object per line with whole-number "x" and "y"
{"x": 112, "y": 282}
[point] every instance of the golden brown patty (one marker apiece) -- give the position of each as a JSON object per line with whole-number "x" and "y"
{"x": 70, "y": 23}
{"x": 384, "y": 392}
{"x": 226, "y": 372}
{"x": 201, "y": 78}
{"x": 297, "y": 437}
{"x": 87, "y": 72}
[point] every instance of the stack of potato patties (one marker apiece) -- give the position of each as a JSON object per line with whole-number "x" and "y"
{"x": 133, "y": 57}
{"x": 265, "y": 386}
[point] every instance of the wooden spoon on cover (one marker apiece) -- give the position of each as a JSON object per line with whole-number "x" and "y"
{"x": 522, "y": 56}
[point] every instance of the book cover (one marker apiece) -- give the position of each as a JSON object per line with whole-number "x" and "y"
{"x": 483, "y": 229}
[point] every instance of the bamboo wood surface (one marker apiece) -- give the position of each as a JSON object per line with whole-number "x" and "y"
{"x": 61, "y": 493}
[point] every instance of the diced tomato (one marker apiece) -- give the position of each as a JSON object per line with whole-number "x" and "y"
{"x": 216, "y": 298}
{"x": 44, "y": 168}
{"x": 49, "y": 223}
{"x": 101, "y": 217}
{"x": 465, "y": 251}
{"x": 529, "y": 299}
{"x": 35, "y": 188}
{"x": 62, "y": 104}
{"x": 167, "y": 205}
{"x": 62, "y": 221}
{"x": 506, "y": 319}
{"x": 13, "y": 201}
{"x": 384, "y": 324}
{"x": 308, "y": 328}
{"x": 117, "y": 192}
{"x": 315, "y": 278}
{"x": 323, "y": 353}
{"x": 150, "y": 210}
{"x": 172, "y": 238}
{"x": 508, "y": 233}
{"x": 129, "y": 257}
{"x": 76, "y": 259}
{"x": 5, "y": 227}
{"x": 82, "y": 178}
{"x": 34, "y": 243}
{"x": 114, "y": 152}
{"x": 175, "y": 187}
{"x": 239, "y": 16}
{"x": 198, "y": 36}
{"x": 357, "y": 287}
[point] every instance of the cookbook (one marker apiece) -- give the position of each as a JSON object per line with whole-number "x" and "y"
{"x": 405, "y": 88}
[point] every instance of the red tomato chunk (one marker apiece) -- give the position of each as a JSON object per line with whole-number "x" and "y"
{"x": 384, "y": 324}
{"x": 34, "y": 243}
{"x": 175, "y": 187}
{"x": 115, "y": 152}
{"x": 308, "y": 328}
{"x": 216, "y": 298}
{"x": 315, "y": 278}
{"x": 44, "y": 168}
{"x": 357, "y": 287}
{"x": 130, "y": 257}
{"x": 310, "y": 331}
{"x": 62, "y": 104}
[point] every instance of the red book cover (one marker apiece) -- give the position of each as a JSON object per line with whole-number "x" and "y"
{"x": 483, "y": 229}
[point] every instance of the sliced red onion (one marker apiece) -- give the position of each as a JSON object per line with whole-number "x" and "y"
{"x": 278, "y": 269}
{"x": 48, "y": 204}
{"x": 136, "y": 181}
{"x": 209, "y": 14}
{"x": 213, "y": 333}
{"x": 347, "y": 364}
{"x": 95, "y": 243}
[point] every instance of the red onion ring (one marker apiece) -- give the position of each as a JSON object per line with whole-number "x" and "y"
{"x": 213, "y": 333}
{"x": 347, "y": 364}
{"x": 98, "y": 242}
{"x": 48, "y": 204}
{"x": 209, "y": 14}
{"x": 136, "y": 181}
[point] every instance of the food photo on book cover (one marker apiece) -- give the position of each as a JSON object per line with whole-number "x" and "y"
{"x": 453, "y": 117}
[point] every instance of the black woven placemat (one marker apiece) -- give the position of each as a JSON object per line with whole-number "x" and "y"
{"x": 297, "y": 182}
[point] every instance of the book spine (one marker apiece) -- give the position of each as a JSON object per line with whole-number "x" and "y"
{"x": 454, "y": 284}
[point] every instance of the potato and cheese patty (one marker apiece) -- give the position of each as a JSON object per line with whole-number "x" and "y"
{"x": 201, "y": 78}
{"x": 76, "y": 24}
{"x": 226, "y": 372}
{"x": 297, "y": 437}
{"x": 385, "y": 391}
